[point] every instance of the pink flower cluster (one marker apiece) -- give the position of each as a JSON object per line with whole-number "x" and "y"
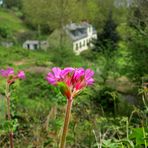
{"x": 11, "y": 76}
{"x": 75, "y": 79}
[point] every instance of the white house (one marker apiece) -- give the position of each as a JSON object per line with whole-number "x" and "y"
{"x": 1, "y": 2}
{"x": 81, "y": 36}
{"x": 35, "y": 44}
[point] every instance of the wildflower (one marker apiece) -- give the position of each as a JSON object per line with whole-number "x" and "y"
{"x": 54, "y": 76}
{"x": 21, "y": 75}
{"x": 10, "y": 79}
{"x": 71, "y": 80}
{"x": 6, "y": 73}
{"x": 11, "y": 76}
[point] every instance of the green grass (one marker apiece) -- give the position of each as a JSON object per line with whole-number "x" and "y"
{"x": 9, "y": 20}
{"x": 18, "y": 57}
{"x": 2, "y": 108}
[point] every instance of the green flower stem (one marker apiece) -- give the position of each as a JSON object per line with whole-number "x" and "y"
{"x": 66, "y": 123}
{"x": 9, "y": 114}
{"x": 144, "y": 135}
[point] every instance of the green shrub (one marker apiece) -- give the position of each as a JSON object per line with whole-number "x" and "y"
{"x": 4, "y": 32}
{"x": 108, "y": 98}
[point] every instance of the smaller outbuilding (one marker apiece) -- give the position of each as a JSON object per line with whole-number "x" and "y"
{"x": 35, "y": 44}
{"x": 6, "y": 44}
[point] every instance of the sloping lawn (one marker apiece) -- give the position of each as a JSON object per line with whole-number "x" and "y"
{"x": 11, "y": 22}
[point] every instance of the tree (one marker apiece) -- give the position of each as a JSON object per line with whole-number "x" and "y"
{"x": 106, "y": 44}
{"x": 12, "y": 3}
{"x": 62, "y": 12}
{"x": 138, "y": 56}
{"x": 138, "y": 47}
{"x": 108, "y": 38}
{"x": 138, "y": 15}
{"x": 88, "y": 10}
{"x": 54, "y": 13}
{"x": 36, "y": 13}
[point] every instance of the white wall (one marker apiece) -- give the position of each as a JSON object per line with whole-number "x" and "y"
{"x": 84, "y": 44}
{"x": 1, "y": 2}
{"x": 80, "y": 45}
{"x": 31, "y": 46}
{"x": 89, "y": 31}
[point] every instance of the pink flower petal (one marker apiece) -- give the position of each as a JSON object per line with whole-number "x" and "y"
{"x": 67, "y": 70}
{"x": 50, "y": 75}
{"x": 51, "y": 81}
{"x": 88, "y": 74}
{"x": 78, "y": 73}
{"x": 21, "y": 75}
{"x": 7, "y": 72}
{"x": 57, "y": 72}
{"x": 90, "y": 81}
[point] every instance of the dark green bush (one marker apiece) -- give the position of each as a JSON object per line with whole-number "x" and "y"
{"x": 108, "y": 98}
{"x": 4, "y": 32}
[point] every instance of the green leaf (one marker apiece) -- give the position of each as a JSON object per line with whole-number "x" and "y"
{"x": 137, "y": 134}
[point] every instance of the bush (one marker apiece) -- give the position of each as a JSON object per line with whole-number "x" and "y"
{"x": 89, "y": 55}
{"x": 4, "y": 32}
{"x": 23, "y": 36}
{"x": 108, "y": 98}
{"x": 64, "y": 57}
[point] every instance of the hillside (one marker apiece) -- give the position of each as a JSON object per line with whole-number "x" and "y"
{"x": 11, "y": 22}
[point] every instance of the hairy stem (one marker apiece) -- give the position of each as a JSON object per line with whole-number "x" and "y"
{"x": 9, "y": 114}
{"x": 66, "y": 123}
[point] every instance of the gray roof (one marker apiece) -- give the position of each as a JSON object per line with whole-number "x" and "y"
{"x": 31, "y": 42}
{"x": 78, "y": 31}
{"x": 34, "y": 42}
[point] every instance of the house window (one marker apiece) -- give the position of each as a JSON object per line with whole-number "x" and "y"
{"x": 77, "y": 46}
{"x": 28, "y": 46}
{"x": 88, "y": 42}
{"x": 35, "y": 46}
